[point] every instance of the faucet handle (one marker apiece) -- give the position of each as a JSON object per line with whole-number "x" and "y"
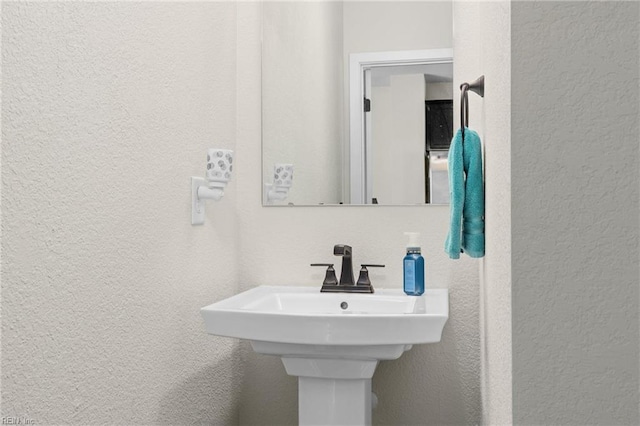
{"x": 330, "y": 277}
{"x": 363, "y": 279}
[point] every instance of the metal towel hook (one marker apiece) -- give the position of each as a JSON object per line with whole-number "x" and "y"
{"x": 476, "y": 86}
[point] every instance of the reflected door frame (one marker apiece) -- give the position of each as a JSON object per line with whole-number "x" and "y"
{"x": 360, "y": 64}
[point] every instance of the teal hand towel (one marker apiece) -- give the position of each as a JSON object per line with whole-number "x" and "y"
{"x": 466, "y": 188}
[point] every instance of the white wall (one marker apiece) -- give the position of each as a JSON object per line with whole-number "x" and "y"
{"x": 559, "y": 314}
{"x": 575, "y": 210}
{"x": 302, "y": 114}
{"x": 438, "y": 91}
{"x": 431, "y": 384}
{"x": 1, "y": 227}
{"x": 108, "y": 108}
{"x": 102, "y": 280}
{"x": 482, "y": 35}
{"x": 378, "y": 26}
{"x": 398, "y": 140}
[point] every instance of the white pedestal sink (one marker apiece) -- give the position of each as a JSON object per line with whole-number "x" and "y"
{"x": 331, "y": 341}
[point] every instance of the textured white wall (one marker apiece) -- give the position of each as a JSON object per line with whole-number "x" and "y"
{"x": 431, "y": 384}
{"x": 100, "y": 299}
{"x": 302, "y": 98}
{"x": 482, "y": 37}
{"x": 1, "y": 264}
{"x": 575, "y": 209}
{"x": 495, "y": 273}
{"x": 108, "y": 108}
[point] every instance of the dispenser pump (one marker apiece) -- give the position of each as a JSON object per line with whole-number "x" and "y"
{"x": 412, "y": 245}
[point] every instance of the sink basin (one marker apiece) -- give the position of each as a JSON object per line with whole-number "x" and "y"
{"x": 331, "y": 341}
{"x": 303, "y": 315}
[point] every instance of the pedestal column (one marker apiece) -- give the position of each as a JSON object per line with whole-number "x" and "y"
{"x": 334, "y": 401}
{"x": 332, "y": 391}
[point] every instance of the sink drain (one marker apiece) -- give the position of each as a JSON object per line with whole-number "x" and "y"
{"x": 344, "y": 305}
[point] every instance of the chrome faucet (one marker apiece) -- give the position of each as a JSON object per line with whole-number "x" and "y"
{"x": 346, "y": 284}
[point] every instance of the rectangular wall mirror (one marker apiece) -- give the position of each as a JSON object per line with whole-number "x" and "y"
{"x": 356, "y": 102}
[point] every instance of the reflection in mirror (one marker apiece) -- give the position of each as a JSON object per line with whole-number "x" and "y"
{"x": 395, "y": 152}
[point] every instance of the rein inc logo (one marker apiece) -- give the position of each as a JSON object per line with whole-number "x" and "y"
{"x": 18, "y": 421}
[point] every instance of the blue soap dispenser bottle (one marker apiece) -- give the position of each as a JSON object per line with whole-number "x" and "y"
{"x": 413, "y": 267}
